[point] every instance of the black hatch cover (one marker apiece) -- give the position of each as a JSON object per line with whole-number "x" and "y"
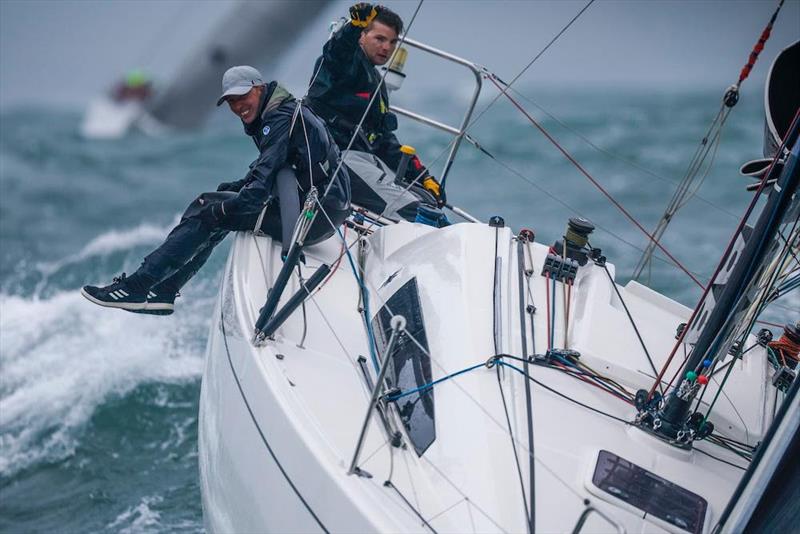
{"x": 649, "y": 492}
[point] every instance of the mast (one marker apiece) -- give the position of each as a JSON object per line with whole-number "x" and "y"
{"x": 721, "y": 322}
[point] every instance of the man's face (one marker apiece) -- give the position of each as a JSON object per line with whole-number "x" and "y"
{"x": 378, "y": 43}
{"x": 246, "y": 106}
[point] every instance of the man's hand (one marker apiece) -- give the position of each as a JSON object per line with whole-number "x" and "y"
{"x": 361, "y": 14}
{"x": 431, "y": 185}
{"x": 230, "y": 186}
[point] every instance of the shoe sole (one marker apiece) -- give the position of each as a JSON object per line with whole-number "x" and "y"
{"x": 151, "y": 308}
{"x": 127, "y": 306}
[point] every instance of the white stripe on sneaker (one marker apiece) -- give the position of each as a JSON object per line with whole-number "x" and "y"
{"x": 123, "y": 292}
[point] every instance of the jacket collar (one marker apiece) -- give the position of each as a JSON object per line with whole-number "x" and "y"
{"x": 273, "y": 96}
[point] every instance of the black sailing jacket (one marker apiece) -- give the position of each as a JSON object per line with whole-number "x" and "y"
{"x": 279, "y": 147}
{"x": 343, "y": 87}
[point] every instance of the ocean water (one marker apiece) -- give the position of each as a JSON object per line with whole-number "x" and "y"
{"x": 98, "y": 407}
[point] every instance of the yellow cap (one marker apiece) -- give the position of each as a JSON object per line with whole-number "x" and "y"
{"x": 407, "y": 149}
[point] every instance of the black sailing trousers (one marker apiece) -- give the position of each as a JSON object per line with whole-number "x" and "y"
{"x": 191, "y": 242}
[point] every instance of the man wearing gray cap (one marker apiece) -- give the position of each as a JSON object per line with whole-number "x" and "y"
{"x": 296, "y": 152}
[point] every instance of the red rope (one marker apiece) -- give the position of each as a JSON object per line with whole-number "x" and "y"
{"x": 759, "y": 46}
{"x": 786, "y": 348}
{"x": 598, "y": 186}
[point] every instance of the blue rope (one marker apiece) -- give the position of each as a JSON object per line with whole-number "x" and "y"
{"x": 431, "y": 384}
{"x": 366, "y": 314}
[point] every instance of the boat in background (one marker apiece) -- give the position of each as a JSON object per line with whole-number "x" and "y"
{"x": 412, "y": 378}
{"x": 262, "y": 36}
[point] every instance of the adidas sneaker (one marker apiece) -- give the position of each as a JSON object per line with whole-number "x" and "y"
{"x": 117, "y": 295}
{"x": 159, "y": 303}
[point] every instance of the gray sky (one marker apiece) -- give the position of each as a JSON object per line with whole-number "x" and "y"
{"x": 66, "y": 51}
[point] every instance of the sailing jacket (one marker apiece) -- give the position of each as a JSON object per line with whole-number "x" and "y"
{"x": 280, "y": 144}
{"x": 343, "y": 83}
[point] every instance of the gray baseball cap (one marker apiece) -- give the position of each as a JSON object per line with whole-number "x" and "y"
{"x": 238, "y": 81}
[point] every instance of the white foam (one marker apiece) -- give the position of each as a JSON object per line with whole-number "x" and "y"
{"x": 110, "y": 242}
{"x": 139, "y": 518}
{"x": 61, "y": 357}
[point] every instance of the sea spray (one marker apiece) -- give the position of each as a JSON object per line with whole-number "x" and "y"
{"x": 63, "y": 357}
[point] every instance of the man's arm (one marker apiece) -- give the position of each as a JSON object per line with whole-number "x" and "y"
{"x": 261, "y": 178}
{"x": 389, "y": 151}
{"x": 337, "y": 63}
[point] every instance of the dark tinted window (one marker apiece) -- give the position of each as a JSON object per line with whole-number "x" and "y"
{"x": 410, "y": 365}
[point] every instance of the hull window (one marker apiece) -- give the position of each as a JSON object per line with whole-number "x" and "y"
{"x": 410, "y": 365}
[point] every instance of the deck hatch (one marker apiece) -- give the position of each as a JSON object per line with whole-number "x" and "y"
{"x": 649, "y": 492}
{"x": 410, "y": 365}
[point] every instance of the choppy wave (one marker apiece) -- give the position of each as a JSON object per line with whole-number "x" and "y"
{"x": 63, "y": 357}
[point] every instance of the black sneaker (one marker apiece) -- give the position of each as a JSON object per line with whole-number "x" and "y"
{"x": 161, "y": 303}
{"x": 117, "y": 295}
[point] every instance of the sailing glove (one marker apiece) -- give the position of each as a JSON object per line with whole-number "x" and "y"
{"x": 231, "y": 186}
{"x": 434, "y": 188}
{"x": 361, "y": 14}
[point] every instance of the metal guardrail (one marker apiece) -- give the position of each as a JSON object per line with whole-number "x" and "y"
{"x": 460, "y": 131}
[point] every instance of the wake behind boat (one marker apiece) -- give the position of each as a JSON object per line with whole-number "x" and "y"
{"x": 410, "y": 378}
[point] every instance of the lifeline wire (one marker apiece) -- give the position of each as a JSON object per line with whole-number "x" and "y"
{"x": 597, "y": 185}
{"x": 623, "y": 159}
{"x": 482, "y": 112}
{"x": 536, "y": 57}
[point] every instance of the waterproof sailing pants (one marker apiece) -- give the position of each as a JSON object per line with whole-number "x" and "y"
{"x": 190, "y": 243}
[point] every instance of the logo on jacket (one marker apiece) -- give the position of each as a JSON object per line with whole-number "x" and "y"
{"x": 265, "y": 131}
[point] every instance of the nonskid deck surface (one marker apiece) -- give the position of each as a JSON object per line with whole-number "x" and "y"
{"x": 465, "y": 460}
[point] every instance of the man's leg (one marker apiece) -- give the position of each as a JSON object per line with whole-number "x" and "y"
{"x": 161, "y": 297}
{"x": 188, "y": 239}
{"x": 175, "y": 282}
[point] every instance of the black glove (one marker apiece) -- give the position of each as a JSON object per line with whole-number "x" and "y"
{"x": 231, "y": 186}
{"x": 212, "y": 214}
{"x": 361, "y": 14}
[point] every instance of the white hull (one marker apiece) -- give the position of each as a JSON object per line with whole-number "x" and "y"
{"x": 277, "y": 433}
{"x": 108, "y": 119}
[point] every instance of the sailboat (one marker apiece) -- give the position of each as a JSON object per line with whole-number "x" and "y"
{"x": 413, "y": 378}
{"x": 185, "y": 101}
